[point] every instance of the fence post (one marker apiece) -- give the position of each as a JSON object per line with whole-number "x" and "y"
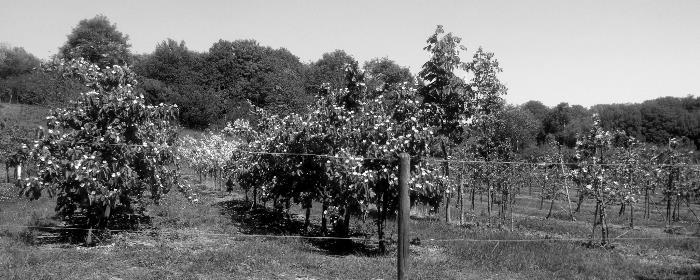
{"x": 404, "y": 215}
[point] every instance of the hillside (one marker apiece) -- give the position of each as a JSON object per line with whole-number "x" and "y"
{"x": 22, "y": 115}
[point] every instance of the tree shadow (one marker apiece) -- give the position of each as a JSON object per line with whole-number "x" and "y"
{"x": 262, "y": 220}
{"x": 52, "y": 230}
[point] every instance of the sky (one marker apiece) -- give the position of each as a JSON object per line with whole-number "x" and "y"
{"x": 579, "y": 52}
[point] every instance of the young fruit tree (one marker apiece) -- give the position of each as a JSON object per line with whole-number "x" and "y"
{"x": 452, "y": 103}
{"x": 107, "y": 152}
{"x": 595, "y": 152}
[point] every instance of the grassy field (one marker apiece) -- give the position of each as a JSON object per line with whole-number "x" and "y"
{"x": 23, "y": 115}
{"x": 204, "y": 241}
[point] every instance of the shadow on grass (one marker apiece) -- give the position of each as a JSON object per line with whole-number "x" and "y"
{"x": 50, "y": 230}
{"x": 262, "y": 220}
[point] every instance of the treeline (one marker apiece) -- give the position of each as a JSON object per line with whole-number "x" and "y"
{"x": 216, "y": 86}
{"x": 20, "y": 82}
{"x": 654, "y": 121}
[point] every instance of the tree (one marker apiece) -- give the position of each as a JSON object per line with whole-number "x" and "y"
{"x": 540, "y": 112}
{"x": 16, "y": 61}
{"x": 451, "y": 102}
{"x": 282, "y": 85}
{"x": 445, "y": 95}
{"x": 98, "y": 41}
{"x": 565, "y": 122}
{"x": 244, "y": 70}
{"x": 330, "y": 68}
{"x": 171, "y": 63}
{"x": 537, "y": 109}
{"x": 520, "y": 128}
{"x": 384, "y": 72}
{"x": 100, "y": 155}
{"x": 364, "y": 135}
{"x": 655, "y": 121}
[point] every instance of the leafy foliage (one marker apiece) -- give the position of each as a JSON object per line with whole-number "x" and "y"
{"x": 98, "y": 41}
{"x": 101, "y": 155}
{"x": 16, "y": 61}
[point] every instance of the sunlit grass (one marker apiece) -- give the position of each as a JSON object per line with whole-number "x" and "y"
{"x": 186, "y": 243}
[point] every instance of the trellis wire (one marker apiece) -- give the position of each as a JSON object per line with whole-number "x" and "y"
{"x": 243, "y": 235}
{"x": 430, "y": 159}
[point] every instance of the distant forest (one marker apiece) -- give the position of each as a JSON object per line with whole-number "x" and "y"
{"x": 214, "y": 87}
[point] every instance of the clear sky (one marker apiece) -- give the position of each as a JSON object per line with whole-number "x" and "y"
{"x": 580, "y": 52}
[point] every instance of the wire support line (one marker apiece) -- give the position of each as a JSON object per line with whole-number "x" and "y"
{"x": 240, "y": 235}
{"x": 101, "y": 143}
{"x": 558, "y": 239}
{"x": 558, "y": 163}
{"x": 428, "y": 159}
{"x": 243, "y": 235}
{"x": 312, "y": 155}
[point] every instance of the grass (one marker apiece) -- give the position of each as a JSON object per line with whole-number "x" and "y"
{"x": 202, "y": 241}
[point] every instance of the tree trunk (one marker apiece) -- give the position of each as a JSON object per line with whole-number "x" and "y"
{"x": 381, "y": 216}
{"x": 255, "y": 196}
{"x": 324, "y": 218}
{"x": 676, "y": 209}
{"x": 622, "y": 209}
{"x": 460, "y": 198}
{"x": 346, "y": 221}
{"x": 473, "y": 194}
{"x": 669, "y": 187}
{"x": 566, "y": 187}
{"x": 541, "y": 201}
{"x": 595, "y": 219}
{"x": 448, "y": 215}
{"x": 488, "y": 201}
{"x": 551, "y": 205}
{"x": 668, "y": 210}
{"x": 504, "y": 204}
{"x": 603, "y": 226}
{"x": 307, "y": 219}
{"x": 646, "y": 203}
{"x": 288, "y": 206}
{"x": 446, "y": 172}
{"x": 580, "y": 201}
{"x": 511, "y": 202}
{"x": 631, "y": 215}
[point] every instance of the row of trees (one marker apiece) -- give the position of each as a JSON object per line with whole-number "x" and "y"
{"x": 102, "y": 152}
{"x": 214, "y": 87}
{"x": 342, "y": 153}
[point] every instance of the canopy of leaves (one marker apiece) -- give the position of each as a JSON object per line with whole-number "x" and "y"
{"x": 16, "y": 61}
{"x": 214, "y": 87}
{"x": 329, "y": 69}
{"x": 98, "y": 41}
{"x": 383, "y": 72}
{"x": 655, "y": 121}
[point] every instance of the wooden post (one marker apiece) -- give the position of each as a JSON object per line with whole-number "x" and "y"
{"x": 404, "y": 216}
